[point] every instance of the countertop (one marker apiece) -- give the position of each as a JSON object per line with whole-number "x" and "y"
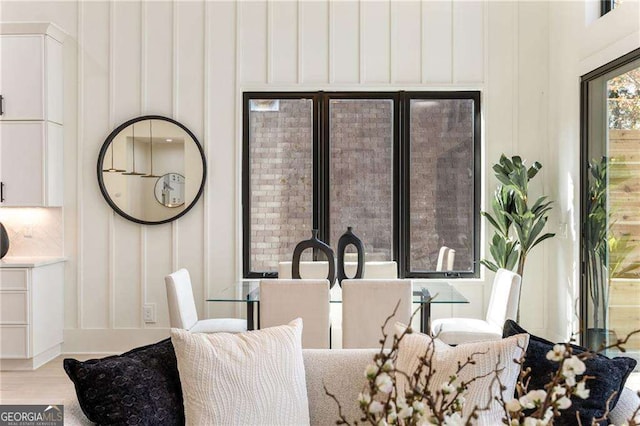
{"x": 30, "y": 262}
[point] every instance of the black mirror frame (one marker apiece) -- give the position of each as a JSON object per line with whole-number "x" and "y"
{"x": 103, "y": 152}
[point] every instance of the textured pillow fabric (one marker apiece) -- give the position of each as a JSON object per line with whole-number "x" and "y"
{"x": 499, "y": 353}
{"x": 610, "y": 375}
{"x": 252, "y": 378}
{"x": 139, "y": 387}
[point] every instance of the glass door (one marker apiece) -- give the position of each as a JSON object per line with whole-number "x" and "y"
{"x": 611, "y": 205}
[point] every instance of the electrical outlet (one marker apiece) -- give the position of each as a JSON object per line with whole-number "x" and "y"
{"x": 149, "y": 312}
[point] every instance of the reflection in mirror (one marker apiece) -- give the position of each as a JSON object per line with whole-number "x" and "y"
{"x": 151, "y": 147}
{"x": 170, "y": 190}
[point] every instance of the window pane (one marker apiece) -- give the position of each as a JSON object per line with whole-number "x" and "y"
{"x": 281, "y": 182}
{"x": 441, "y": 183}
{"x": 361, "y": 173}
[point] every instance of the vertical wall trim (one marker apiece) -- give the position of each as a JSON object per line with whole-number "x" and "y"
{"x": 329, "y": 41}
{"x": 175, "y": 113}
{"x": 206, "y": 49}
{"x": 299, "y": 40}
{"x": 515, "y": 141}
{"x": 112, "y": 232}
{"x": 237, "y": 247}
{"x": 79, "y": 164}
{"x": 393, "y": 39}
{"x": 422, "y": 79}
{"x": 332, "y": 40}
{"x": 452, "y": 79}
{"x": 269, "y": 42}
{"x": 360, "y": 42}
{"x": 143, "y": 110}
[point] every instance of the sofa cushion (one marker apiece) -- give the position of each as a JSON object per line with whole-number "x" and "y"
{"x": 488, "y": 356}
{"x": 610, "y": 375}
{"x": 141, "y": 386}
{"x": 248, "y": 378}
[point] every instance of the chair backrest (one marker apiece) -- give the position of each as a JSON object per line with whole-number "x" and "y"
{"x": 308, "y": 270}
{"x": 446, "y": 257}
{"x": 284, "y": 300}
{"x": 503, "y": 304}
{"x": 366, "y": 304}
{"x": 182, "y": 306}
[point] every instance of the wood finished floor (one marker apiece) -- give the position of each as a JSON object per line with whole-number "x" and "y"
{"x": 50, "y": 385}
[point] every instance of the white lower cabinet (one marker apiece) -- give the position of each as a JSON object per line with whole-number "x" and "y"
{"x": 31, "y": 314}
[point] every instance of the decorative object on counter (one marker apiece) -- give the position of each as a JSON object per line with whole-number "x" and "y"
{"x": 315, "y": 244}
{"x": 172, "y": 150}
{"x": 350, "y": 238}
{"x": 4, "y": 241}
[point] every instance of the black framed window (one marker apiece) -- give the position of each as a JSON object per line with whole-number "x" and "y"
{"x": 607, "y": 6}
{"x": 402, "y": 168}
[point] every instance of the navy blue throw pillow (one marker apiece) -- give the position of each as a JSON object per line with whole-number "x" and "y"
{"x": 139, "y": 387}
{"x": 610, "y": 376}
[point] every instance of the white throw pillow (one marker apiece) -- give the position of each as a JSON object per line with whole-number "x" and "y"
{"x": 479, "y": 393}
{"x": 252, "y": 378}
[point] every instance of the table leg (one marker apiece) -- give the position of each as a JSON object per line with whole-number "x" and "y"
{"x": 425, "y": 312}
{"x": 250, "y": 325}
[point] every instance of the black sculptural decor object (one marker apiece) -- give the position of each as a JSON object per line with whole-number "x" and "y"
{"x": 314, "y": 243}
{"x": 350, "y": 238}
{"x": 4, "y": 241}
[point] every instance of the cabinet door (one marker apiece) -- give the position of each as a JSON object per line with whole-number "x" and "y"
{"x": 21, "y": 163}
{"x": 22, "y": 77}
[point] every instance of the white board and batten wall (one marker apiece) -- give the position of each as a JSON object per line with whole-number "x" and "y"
{"x": 192, "y": 60}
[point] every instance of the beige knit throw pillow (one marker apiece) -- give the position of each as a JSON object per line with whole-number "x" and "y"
{"x": 252, "y": 378}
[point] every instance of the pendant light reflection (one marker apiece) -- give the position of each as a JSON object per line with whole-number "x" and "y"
{"x": 133, "y": 153}
{"x": 113, "y": 169}
{"x": 151, "y": 175}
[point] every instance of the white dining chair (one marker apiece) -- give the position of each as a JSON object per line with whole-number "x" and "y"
{"x": 503, "y": 305}
{"x": 446, "y": 258}
{"x": 366, "y": 304}
{"x": 183, "y": 313}
{"x": 284, "y": 300}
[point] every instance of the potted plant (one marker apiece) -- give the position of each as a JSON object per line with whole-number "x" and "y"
{"x": 604, "y": 252}
{"x": 518, "y": 224}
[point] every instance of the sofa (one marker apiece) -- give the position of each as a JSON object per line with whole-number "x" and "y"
{"x": 342, "y": 372}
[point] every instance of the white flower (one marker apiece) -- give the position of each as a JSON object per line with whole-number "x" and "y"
{"x": 405, "y": 412}
{"x": 557, "y": 353}
{"x": 384, "y": 383}
{"x": 376, "y": 407}
{"x": 388, "y": 365}
{"x": 530, "y": 421}
{"x": 573, "y": 367}
{"x": 392, "y": 417}
{"x": 563, "y": 403}
{"x": 559, "y": 391}
{"x": 382, "y": 422}
{"x": 513, "y": 406}
{"x": 448, "y": 388}
{"x": 418, "y": 406}
{"x": 515, "y": 422}
{"x": 371, "y": 371}
{"x": 533, "y": 398}
{"x": 364, "y": 398}
{"x": 453, "y": 420}
{"x": 582, "y": 390}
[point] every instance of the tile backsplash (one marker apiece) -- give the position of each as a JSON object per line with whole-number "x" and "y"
{"x": 34, "y": 231}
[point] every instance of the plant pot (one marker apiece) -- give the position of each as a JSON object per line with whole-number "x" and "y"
{"x": 598, "y": 338}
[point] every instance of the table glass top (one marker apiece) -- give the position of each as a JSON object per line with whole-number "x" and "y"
{"x": 249, "y": 291}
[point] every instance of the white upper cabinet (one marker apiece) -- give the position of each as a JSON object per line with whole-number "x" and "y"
{"x": 31, "y": 77}
{"x": 31, "y": 136}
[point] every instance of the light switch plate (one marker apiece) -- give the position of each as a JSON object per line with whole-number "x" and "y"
{"x": 149, "y": 313}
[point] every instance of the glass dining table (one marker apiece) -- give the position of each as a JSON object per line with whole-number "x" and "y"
{"x": 424, "y": 294}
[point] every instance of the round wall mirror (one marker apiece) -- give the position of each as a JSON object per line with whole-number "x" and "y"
{"x": 151, "y": 170}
